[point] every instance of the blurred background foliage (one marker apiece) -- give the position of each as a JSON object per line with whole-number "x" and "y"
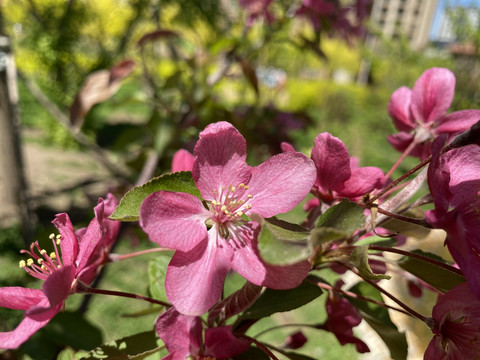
{"x": 195, "y": 62}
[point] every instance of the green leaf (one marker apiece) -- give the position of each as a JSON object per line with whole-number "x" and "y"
{"x": 359, "y": 258}
{"x": 129, "y": 207}
{"x": 135, "y": 347}
{"x": 345, "y": 216}
{"x": 157, "y": 269}
{"x": 339, "y": 221}
{"x": 273, "y": 301}
{"x": 281, "y": 242}
{"x": 379, "y": 319}
{"x": 439, "y": 277}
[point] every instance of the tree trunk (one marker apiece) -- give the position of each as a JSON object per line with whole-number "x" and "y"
{"x": 13, "y": 188}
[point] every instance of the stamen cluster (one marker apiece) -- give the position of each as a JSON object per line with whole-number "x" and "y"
{"x": 41, "y": 264}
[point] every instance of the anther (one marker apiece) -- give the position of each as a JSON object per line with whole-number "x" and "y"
{"x": 39, "y": 261}
{"x": 248, "y": 206}
{"x": 30, "y": 262}
{"x": 43, "y": 252}
{"x": 51, "y": 236}
{"x": 250, "y": 196}
{"x": 53, "y": 255}
{"x": 22, "y": 264}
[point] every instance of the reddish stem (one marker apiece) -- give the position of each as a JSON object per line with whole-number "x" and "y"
{"x": 419, "y": 257}
{"x": 85, "y": 289}
{"x": 118, "y": 257}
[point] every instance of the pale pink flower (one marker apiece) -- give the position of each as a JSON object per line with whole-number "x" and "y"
{"x": 183, "y": 337}
{"x": 421, "y": 113}
{"x": 214, "y": 236}
{"x": 456, "y": 325}
{"x": 78, "y": 259}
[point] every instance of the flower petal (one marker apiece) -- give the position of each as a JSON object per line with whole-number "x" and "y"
{"x": 13, "y": 339}
{"x": 332, "y": 161}
{"x": 399, "y": 109}
{"x": 248, "y": 263}
{"x": 181, "y": 334}
{"x": 457, "y": 121}
{"x": 182, "y": 161}
{"x": 221, "y": 152}
{"x": 432, "y": 94}
{"x": 174, "y": 220}
{"x": 362, "y": 181}
{"x": 222, "y": 344}
{"x": 281, "y": 183}
{"x": 194, "y": 280}
{"x": 20, "y": 298}
{"x": 69, "y": 242}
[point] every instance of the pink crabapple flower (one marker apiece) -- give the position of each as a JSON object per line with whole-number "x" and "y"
{"x": 454, "y": 182}
{"x": 183, "y": 338}
{"x": 342, "y": 318}
{"x": 182, "y": 161}
{"x": 421, "y": 113}
{"x": 456, "y": 326}
{"x": 212, "y": 240}
{"x": 80, "y": 255}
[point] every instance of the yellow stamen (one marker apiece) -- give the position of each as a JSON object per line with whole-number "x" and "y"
{"x": 40, "y": 261}
{"x": 51, "y": 236}
{"x": 53, "y": 255}
{"x": 43, "y": 251}
{"x": 248, "y": 206}
{"x": 30, "y": 262}
{"x": 44, "y": 267}
{"x": 22, "y": 264}
{"x": 250, "y": 196}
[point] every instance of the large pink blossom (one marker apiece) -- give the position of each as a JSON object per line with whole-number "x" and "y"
{"x": 456, "y": 325}
{"x": 421, "y": 113}
{"x": 78, "y": 259}
{"x": 214, "y": 236}
{"x": 183, "y": 337}
{"x": 454, "y": 182}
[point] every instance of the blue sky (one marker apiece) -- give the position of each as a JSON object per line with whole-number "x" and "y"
{"x": 441, "y": 5}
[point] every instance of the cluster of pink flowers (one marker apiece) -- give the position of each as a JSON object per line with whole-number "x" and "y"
{"x": 218, "y": 231}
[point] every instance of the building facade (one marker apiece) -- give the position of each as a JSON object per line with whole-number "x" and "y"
{"x": 409, "y": 18}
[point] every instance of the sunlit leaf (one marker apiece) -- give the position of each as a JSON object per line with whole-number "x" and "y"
{"x": 281, "y": 242}
{"x": 437, "y": 276}
{"x": 129, "y": 207}
{"x": 157, "y": 269}
{"x": 135, "y": 347}
{"x": 345, "y": 216}
{"x": 359, "y": 258}
{"x": 273, "y": 301}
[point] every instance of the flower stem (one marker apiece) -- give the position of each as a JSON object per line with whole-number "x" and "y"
{"x": 85, "y": 289}
{"x": 401, "y": 158}
{"x": 260, "y": 345}
{"x": 409, "y": 310}
{"x": 360, "y": 297}
{"x": 118, "y": 257}
{"x": 398, "y": 181}
{"x": 404, "y": 218}
{"x": 417, "y": 256}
